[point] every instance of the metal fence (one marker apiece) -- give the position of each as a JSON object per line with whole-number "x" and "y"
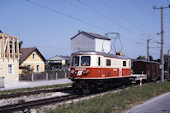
{"x": 44, "y": 76}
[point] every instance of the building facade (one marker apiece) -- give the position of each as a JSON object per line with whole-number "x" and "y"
{"x": 85, "y": 41}
{"x": 58, "y": 62}
{"x": 31, "y": 59}
{"x": 9, "y": 57}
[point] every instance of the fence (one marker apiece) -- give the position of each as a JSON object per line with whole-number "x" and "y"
{"x": 1, "y": 82}
{"x": 44, "y": 76}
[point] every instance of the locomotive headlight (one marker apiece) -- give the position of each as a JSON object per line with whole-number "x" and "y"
{"x": 86, "y": 72}
{"x": 72, "y": 71}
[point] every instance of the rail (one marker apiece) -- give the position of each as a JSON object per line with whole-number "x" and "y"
{"x": 28, "y": 105}
{"x": 6, "y": 96}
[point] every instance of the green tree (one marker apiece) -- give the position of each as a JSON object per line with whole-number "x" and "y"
{"x": 151, "y": 58}
{"x": 20, "y": 44}
{"x": 141, "y": 57}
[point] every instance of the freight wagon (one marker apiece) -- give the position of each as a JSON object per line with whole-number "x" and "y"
{"x": 149, "y": 68}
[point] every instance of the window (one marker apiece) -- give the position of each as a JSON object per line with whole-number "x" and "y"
{"x": 75, "y": 61}
{"x": 10, "y": 46}
{"x": 33, "y": 56}
{"x": 85, "y": 61}
{"x": 38, "y": 68}
{"x": 98, "y": 61}
{"x": 10, "y": 68}
{"x": 108, "y": 62}
{"x": 124, "y": 63}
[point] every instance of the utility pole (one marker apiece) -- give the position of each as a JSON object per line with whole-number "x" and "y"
{"x": 168, "y": 62}
{"x": 148, "y": 49}
{"x": 162, "y": 42}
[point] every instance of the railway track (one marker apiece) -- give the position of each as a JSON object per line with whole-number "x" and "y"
{"x": 26, "y": 106}
{"x": 35, "y": 92}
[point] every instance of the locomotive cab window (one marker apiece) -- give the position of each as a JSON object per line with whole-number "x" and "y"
{"x": 98, "y": 61}
{"x": 85, "y": 61}
{"x": 75, "y": 61}
{"x": 124, "y": 63}
{"x": 108, "y": 62}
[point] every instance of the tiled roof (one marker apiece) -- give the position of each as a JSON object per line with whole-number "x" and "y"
{"x": 25, "y": 52}
{"x": 94, "y": 35}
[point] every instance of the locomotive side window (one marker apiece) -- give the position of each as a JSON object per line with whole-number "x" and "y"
{"x": 85, "y": 61}
{"x": 75, "y": 61}
{"x": 124, "y": 63}
{"x": 98, "y": 61}
{"x": 108, "y": 62}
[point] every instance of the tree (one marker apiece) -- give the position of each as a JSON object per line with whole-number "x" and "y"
{"x": 158, "y": 60}
{"x": 20, "y": 44}
{"x": 141, "y": 57}
{"x": 27, "y": 70}
{"x": 1, "y": 31}
{"x": 151, "y": 58}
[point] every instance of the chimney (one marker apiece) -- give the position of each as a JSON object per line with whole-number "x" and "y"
{"x": 79, "y": 31}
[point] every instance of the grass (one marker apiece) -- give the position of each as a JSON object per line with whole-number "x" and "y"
{"x": 115, "y": 102}
{"x": 3, "y": 92}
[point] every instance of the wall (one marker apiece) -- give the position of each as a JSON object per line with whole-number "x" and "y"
{"x": 4, "y": 69}
{"x": 9, "y": 54}
{"x": 102, "y": 45}
{"x": 34, "y": 62}
{"x": 82, "y": 42}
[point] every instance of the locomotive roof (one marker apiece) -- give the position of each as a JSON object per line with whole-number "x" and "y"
{"x": 99, "y": 53}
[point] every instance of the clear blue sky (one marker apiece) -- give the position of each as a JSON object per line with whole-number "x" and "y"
{"x": 50, "y": 30}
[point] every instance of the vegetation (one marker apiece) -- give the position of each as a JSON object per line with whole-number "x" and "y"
{"x": 115, "y": 102}
{"x": 27, "y": 70}
{"x": 141, "y": 58}
{"x": 32, "y": 89}
{"x": 150, "y": 58}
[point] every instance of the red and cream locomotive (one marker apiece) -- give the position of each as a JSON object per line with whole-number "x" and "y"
{"x": 96, "y": 70}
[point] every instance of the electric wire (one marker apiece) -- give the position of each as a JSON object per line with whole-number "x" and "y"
{"x": 109, "y": 19}
{"x": 125, "y": 19}
{"x": 74, "y": 18}
{"x": 69, "y": 16}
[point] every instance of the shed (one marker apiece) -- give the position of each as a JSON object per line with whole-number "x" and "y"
{"x": 86, "y": 41}
{"x": 58, "y": 62}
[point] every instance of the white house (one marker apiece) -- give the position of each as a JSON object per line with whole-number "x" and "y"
{"x": 85, "y": 41}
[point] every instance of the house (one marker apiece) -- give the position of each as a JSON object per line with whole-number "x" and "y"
{"x": 86, "y": 41}
{"x": 58, "y": 62}
{"x": 32, "y": 59}
{"x": 9, "y": 57}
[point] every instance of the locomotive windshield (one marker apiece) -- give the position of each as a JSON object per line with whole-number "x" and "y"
{"x": 75, "y": 61}
{"x": 85, "y": 61}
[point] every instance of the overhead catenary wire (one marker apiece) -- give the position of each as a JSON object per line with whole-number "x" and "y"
{"x": 122, "y": 17}
{"x": 69, "y": 16}
{"x": 104, "y": 16}
{"x": 107, "y": 18}
{"x": 77, "y": 19}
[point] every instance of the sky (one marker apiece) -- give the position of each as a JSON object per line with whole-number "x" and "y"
{"x": 49, "y": 24}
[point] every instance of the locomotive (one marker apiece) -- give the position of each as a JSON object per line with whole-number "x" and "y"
{"x": 92, "y": 71}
